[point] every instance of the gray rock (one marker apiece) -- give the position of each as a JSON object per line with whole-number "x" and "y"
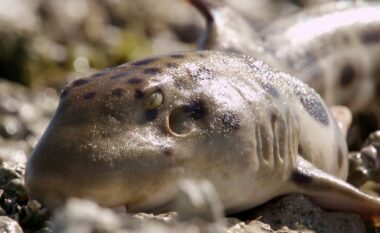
{"x": 169, "y": 218}
{"x": 9, "y": 171}
{"x": 16, "y": 189}
{"x": 8, "y": 225}
{"x": 12, "y": 128}
{"x": 85, "y": 216}
{"x": 237, "y": 226}
{"x": 14, "y": 151}
{"x": 198, "y": 199}
{"x": 197, "y": 202}
{"x": 297, "y": 212}
{"x": 18, "y": 16}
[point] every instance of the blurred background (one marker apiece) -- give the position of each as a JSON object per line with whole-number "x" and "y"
{"x": 44, "y": 42}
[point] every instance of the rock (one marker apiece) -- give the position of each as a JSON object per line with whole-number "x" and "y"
{"x": 14, "y": 151}
{"x": 298, "y": 213}
{"x": 169, "y": 217}
{"x": 12, "y": 127}
{"x": 199, "y": 212}
{"x": 85, "y": 216}
{"x": 237, "y": 226}
{"x": 34, "y": 217}
{"x": 8, "y": 225}
{"x": 259, "y": 227}
{"x": 198, "y": 203}
{"x": 198, "y": 200}
{"x": 9, "y": 171}
{"x": 14, "y": 200}
{"x": 364, "y": 166}
{"x": 18, "y": 16}
{"x": 16, "y": 188}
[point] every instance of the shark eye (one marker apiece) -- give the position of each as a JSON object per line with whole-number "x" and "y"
{"x": 154, "y": 101}
{"x": 180, "y": 123}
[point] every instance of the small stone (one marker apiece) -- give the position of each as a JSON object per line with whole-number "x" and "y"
{"x": 9, "y": 171}
{"x": 373, "y": 138}
{"x": 7, "y": 204}
{"x": 14, "y": 151}
{"x": 16, "y": 188}
{"x": 370, "y": 152}
{"x": 198, "y": 200}
{"x": 8, "y": 225}
{"x": 86, "y": 217}
{"x": 169, "y": 217}
{"x": 235, "y": 225}
{"x": 359, "y": 169}
{"x": 259, "y": 227}
{"x": 33, "y": 206}
{"x": 12, "y": 128}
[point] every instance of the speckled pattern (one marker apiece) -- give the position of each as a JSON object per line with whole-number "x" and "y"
{"x": 126, "y": 135}
{"x": 332, "y": 47}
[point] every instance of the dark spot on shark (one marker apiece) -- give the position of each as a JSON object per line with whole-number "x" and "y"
{"x": 312, "y": 104}
{"x": 201, "y": 73}
{"x": 269, "y": 88}
{"x": 171, "y": 65}
{"x": 119, "y": 75}
{"x": 144, "y": 62}
{"x": 152, "y": 71}
{"x": 139, "y": 93}
{"x": 196, "y": 109}
{"x": 230, "y": 120}
{"x": 100, "y": 74}
{"x": 135, "y": 80}
{"x": 118, "y": 92}
{"x": 177, "y": 56}
{"x": 80, "y": 82}
{"x": 89, "y": 95}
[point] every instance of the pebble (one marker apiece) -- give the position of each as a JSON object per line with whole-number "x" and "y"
{"x": 85, "y": 216}
{"x": 8, "y": 225}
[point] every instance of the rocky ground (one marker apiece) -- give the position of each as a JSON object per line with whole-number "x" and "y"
{"x": 46, "y": 43}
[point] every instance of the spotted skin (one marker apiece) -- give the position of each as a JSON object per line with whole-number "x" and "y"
{"x": 135, "y": 80}
{"x": 339, "y": 59}
{"x": 131, "y": 143}
{"x": 230, "y": 121}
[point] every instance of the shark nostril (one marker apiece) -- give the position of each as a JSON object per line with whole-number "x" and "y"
{"x": 179, "y": 123}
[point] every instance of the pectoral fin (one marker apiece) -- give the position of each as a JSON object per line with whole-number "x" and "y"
{"x": 330, "y": 192}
